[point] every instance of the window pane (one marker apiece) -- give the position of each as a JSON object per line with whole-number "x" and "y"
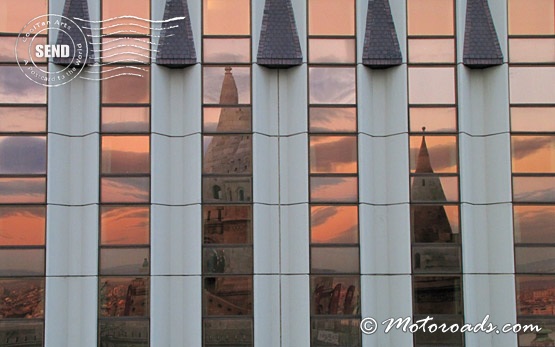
{"x": 335, "y": 295}
{"x": 333, "y": 189}
{"x": 535, "y": 259}
{"x": 124, "y": 225}
{"x": 229, "y": 154}
{"x": 336, "y": 332}
{"x": 531, "y": 17}
{"x": 331, "y": 50}
{"x": 432, "y": 188}
{"x": 125, "y": 119}
{"x": 8, "y": 46}
{"x": 225, "y": 296}
{"x": 15, "y": 88}
{"x": 125, "y": 154}
{"x": 434, "y": 85}
{"x": 227, "y": 189}
{"x": 334, "y": 224}
{"x": 540, "y": 189}
{"x": 22, "y": 119}
{"x": 228, "y": 332}
{"x": 528, "y": 338}
{"x": 15, "y": 190}
{"x": 436, "y": 259}
{"x": 333, "y": 119}
{"x": 534, "y": 224}
{"x": 442, "y": 153}
{"x": 124, "y": 261}
{"x": 333, "y": 154}
{"x": 22, "y": 262}
{"x": 532, "y": 50}
{"x": 227, "y": 50}
{"x": 535, "y": 295}
{"x": 430, "y": 17}
{"x": 124, "y": 297}
{"x": 227, "y": 119}
{"x": 15, "y": 14}
{"x": 22, "y": 155}
{"x": 533, "y": 154}
{"x": 432, "y": 51}
{"x": 29, "y": 331}
{"x": 132, "y": 88}
{"x": 126, "y": 49}
{"x": 21, "y": 298}
{"x": 435, "y": 223}
{"x": 331, "y": 17}
{"x": 227, "y": 85}
{"x": 125, "y": 189}
{"x": 334, "y": 259}
{"x": 532, "y": 84}
{"x": 437, "y": 295}
{"x": 22, "y": 226}
{"x": 226, "y": 17}
{"x": 439, "y": 338}
{"x": 332, "y": 85}
{"x": 227, "y": 224}
{"x": 440, "y": 119}
{"x": 536, "y": 119}
{"x": 124, "y": 330}
{"x": 117, "y": 8}
{"x": 229, "y": 260}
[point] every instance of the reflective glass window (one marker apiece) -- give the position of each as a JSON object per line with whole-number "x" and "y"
{"x": 531, "y": 17}
{"x": 22, "y": 155}
{"x": 226, "y": 85}
{"x": 432, "y": 85}
{"x": 227, "y": 224}
{"x": 535, "y": 295}
{"x": 123, "y": 297}
{"x": 332, "y": 50}
{"x": 15, "y": 14}
{"x": 238, "y": 332}
{"x": 125, "y": 154}
{"x": 22, "y": 262}
{"x": 126, "y": 26}
{"x": 334, "y": 259}
{"x": 125, "y": 189}
{"x": 21, "y": 298}
{"x": 333, "y": 295}
{"x": 334, "y": 224}
{"x": 333, "y": 154}
{"x": 16, "y": 190}
{"x": 8, "y": 48}
{"x": 126, "y": 49}
{"x": 436, "y": 119}
{"x": 338, "y": 331}
{"x": 430, "y": 17}
{"x": 129, "y": 329}
{"x": 437, "y": 295}
{"x": 227, "y": 154}
{"x": 15, "y": 88}
{"x": 227, "y": 119}
{"x": 332, "y": 85}
{"x": 434, "y": 188}
{"x": 431, "y": 50}
{"x": 226, "y": 50}
{"x": 333, "y": 189}
{"x": 127, "y": 85}
{"x": 124, "y": 225}
{"x": 331, "y": 17}
{"x": 22, "y": 225}
{"x": 125, "y": 119}
{"x": 228, "y": 296}
{"x": 124, "y": 261}
{"x": 333, "y": 119}
{"x": 534, "y": 224}
{"x": 435, "y": 223}
{"x": 533, "y": 154}
{"x": 540, "y": 50}
{"x": 533, "y": 119}
{"x": 226, "y": 17}
{"x": 427, "y": 259}
{"x": 535, "y": 259}
{"x": 227, "y": 260}
{"x": 22, "y": 119}
{"x": 534, "y": 189}
{"x": 220, "y": 189}
{"x": 532, "y": 85}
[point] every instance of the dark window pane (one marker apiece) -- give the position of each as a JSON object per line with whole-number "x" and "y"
{"x": 431, "y": 188}
{"x": 535, "y": 295}
{"x": 437, "y": 295}
{"x": 22, "y": 226}
{"x": 227, "y": 154}
{"x": 528, "y": 17}
{"x": 534, "y": 154}
{"x": 537, "y": 119}
{"x": 531, "y": 189}
{"x": 430, "y": 17}
{"x": 331, "y": 50}
{"x": 441, "y": 119}
{"x": 436, "y": 259}
{"x": 21, "y": 262}
{"x": 432, "y": 85}
{"x": 125, "y": 26}
{"x": 22, "y": 119}
{"x": 125, "y": 189}
{"x": 227, "y": 85}
{"x": 534, "y": 224}
{"x": 535, "y": 259}
{"x": 119, "y": 332}
{"x": 124, "y": 225}
{"x": 126, "y": 49}
{"x": 15, "y": 88}
{"x": 8, "y": 44}
{"x": 16, "y": 14}
{"x": 438, "y": 337}
{"x": 224, "y": 296}
{"x": 227, "y": 50}
{"x": 332, "y": 85}
{"x": 333, "y": 189}
{"x": 126, "y": 85}
{"x": 228, "y": 332}
{"x": 334, "y": 224}
{"x": 323, "y": 119}
{"x": 226, "y": 17}
{"x": 227, "y": 119}
{"x": 125, "y": 154}
{"x": 21, "y": 298}
{"x": 541, "y": 50}
{"x": 333, "y": 154}
{"x": 124, "y": 296}
{"x": 227, "y": 189}
{"x": 124, "y": 261}
{"x": 435, "y": 223}
{"x": 229, "y": 260}
{"x": 227, "y": 224}
{"x": 531, "y": 338}
{"x": 22, "y": 155}
{"x": 439, "y": 151}
{"x": 15, "y": 190}
{"x": 334, "y": 259}
{"x": 432, "y": 51}
{"x": 532, "y": 85}
{"x": 337, "y": 295}
{"x": 331, "y": 17}
{"x": 125, "y": 119}
{"x": 335, "y": 332}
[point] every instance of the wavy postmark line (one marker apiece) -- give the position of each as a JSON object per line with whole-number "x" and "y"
{"x": 127, "y": 32}
{"x": 128, "y": 38}
{"x": 130, "y": 17}
{"x": 126, "y": 53}
{"x": 132, "y": 25}
{"x": 128, "y": 60}
{"x": 110, "y": 77}
{"x": 117, "y": 68}
{"x": 124, "y": 46}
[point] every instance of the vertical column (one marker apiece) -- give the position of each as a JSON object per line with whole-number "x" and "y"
{"x": 532, "y": 96}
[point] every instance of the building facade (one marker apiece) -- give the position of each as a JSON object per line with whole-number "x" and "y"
{"x": 271, "y": 172}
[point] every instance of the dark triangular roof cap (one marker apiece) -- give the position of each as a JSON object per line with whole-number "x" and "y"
{"x": 481, "y": 45}
{"x": 176, "y": 47}
{"x": 381, "y": 45}
{"x": 77, "y": 11}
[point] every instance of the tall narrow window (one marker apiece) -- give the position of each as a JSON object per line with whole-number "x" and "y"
{"x": 434, "y": 169}
{"x": 532, "y": 77}
{"x": 124, "y": 252}
{"x": 334, "y": 231}
{"x": 227, "y": 249}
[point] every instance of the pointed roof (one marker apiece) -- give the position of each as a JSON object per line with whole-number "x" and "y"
{"x": 279, "y": 45}
{"x": 481, "y": 44}
{"x": 381, "y": 45}
{"x": 423, "y": 164}
{"x": 74, "y": 9}
{"x": 176, "y": 47}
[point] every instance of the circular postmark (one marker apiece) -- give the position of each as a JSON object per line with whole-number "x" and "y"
{"x": 71, "y": 50}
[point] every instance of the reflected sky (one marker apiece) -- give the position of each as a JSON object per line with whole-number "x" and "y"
{"x": 125, "y": 189}
{"x": 332, "y": 85}
{"x": 126, "y": 119}
{"x": 116, "y": 8}
{"x": 536, "y": 119}
{"x": 334, "y": 224}
{"x": 15, "y": 14}
{"x": 125, "y": 154}
{"x": 331, "y": 17}
{"x": 16, "y": 88}
{"x": 22, "y": 155}
{"x": 331, "y": 119}
{"x": 125, "y": 225}
{"x": 21, "y": 262}
{"x": 22, "y": 119}
{"x": 531, "y": 17}
{"x": 440, "y": 119}
{"x": 22, "y": 190}
{"x": 333, "y": 154}
{"x": 126, "y": 89}
{"x": 333, "y": 189}
{"x": 534, "y": 224}
{"x": 534, "y": 189}
{"x": 532, "y": 50}
{"x": 22, "y": 226}
{"x": 426, "y": 188}
{"x": 213, "y": 115}
{"x": 434, "y": 85}
{"x": 432, "y": 51}
{"x": 125, "y": 48}
{"x": 7, "y": 49}
{"x": 535, "y": 259}
{"x": 227, "y": 260}
{"x": 532, "y": 85}
{"x": 226, "y": 50}
{"x": 430, "y": 17}
{"x": 331, "y": 51}
{"x": 226, "y": 17}
{"x": 533, "y": 154}
{"x": 124, "y": 261}
{"x": 213, "y": 78}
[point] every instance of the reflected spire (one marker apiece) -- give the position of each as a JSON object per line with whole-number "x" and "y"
{"x": 229, "y": 94}
{"x": 423, "y": 164}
